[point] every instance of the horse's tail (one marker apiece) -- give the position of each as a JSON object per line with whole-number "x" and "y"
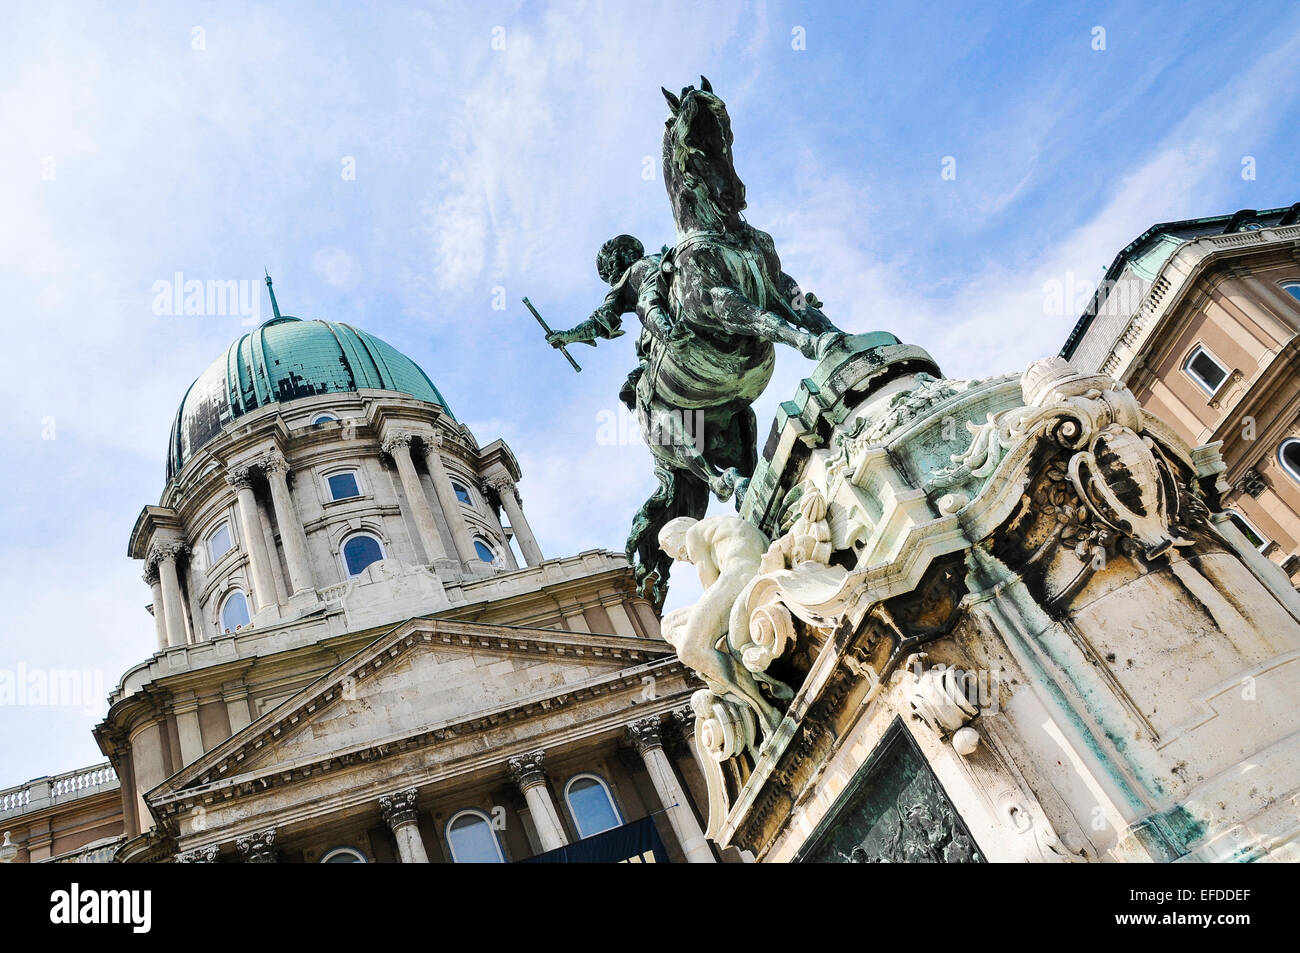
{"x": 679, "y": 494}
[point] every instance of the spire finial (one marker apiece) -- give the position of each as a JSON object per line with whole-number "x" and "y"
{"x": 275, "y": 308}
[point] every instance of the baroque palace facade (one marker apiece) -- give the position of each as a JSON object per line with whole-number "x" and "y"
{"x": 352, "y": 662}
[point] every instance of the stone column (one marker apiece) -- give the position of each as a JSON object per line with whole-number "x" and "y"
{"x": 403, "y": 819}
{"x": 526, "y": 771}
{"x": 645, "y": 736}
{"x": 258, "y": 847}
{"x": 159, "y": 615}
{"x": 398, "y": 446}
{"x": 163, "y": 556}
{"x": 292, "y": 536}
{"x": 509, "y": 495}
{"x": 241, "y": 478}
{"x": 460, "y": 533}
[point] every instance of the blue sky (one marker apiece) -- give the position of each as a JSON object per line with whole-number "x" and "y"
{"x": 142, "y": 141}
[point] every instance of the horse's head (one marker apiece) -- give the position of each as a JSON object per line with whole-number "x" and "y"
{"x": 697, "y": 162}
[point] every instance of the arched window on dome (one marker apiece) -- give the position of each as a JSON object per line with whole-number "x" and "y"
{"x": 472, "y": 839}
{"x": 591, "y": 805}
{"x": 462, "y": 493}
{"x": 1289, "y": 456}
{"x": 343, "y": 855}
{"x": 1292, "y": 288}
{"x": 234, "y": 612}
{"x": 324, "y": 418}
{"x": 360, "y": 551}
{"x": 485, "y": 552}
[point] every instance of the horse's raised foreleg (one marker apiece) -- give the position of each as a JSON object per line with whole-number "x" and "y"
{"x": 738, "y": 315}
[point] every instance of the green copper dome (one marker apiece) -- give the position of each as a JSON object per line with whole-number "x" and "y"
{"x": 285, "y": 359}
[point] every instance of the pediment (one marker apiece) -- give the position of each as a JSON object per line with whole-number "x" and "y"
{"x": 426, "y": 675}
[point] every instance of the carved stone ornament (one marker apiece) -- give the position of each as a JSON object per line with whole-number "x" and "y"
{"x": 397, "y": 443}
{"x": 1119, "y": 472}
{"x": 399, "y": 808}
{"x": 527, "y": 770}
{"x": 645, "y": 733}
{"x": 199, "y": 855}
{"x": 240, "y": 477}
{"x": 724, "y": 732}
{"x": 168, "y": 549}
{"x": 274, "y": 463}
{"x": 1251, "y": 483}
{"x": 258, "y": 847}
{"x": 945, "y": 699}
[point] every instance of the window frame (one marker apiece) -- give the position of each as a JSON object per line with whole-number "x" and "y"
{"x": 1263, "y": 546}
{"x": 609, "y": 796}
{"x": 326, "y": 476}
{"x": 368, "y": 534}
{"x": 336, "y": 851}
{"x": 324, "y": 417}
{"x": 1202, "y": 385}
{"x": 486, "y": 544}
{"x": 457, "y": 487}
{"x": 1281, "y": 457}
{"x": 229, "y": 527}
{"x": 451, "y": 844}
{"x": 1291, "y": 287}
{"x": 221, "y": 611}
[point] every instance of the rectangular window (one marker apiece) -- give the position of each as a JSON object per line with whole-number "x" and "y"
{"x": 219, "y": 543}
{"x": 1203, "y": 368}
{"x": 344, "y": 485}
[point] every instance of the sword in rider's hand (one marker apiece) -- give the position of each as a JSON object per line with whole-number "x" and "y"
{"x": 548, "y": 331}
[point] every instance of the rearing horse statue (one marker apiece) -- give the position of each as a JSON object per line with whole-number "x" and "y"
{"x": 712, "y": 309}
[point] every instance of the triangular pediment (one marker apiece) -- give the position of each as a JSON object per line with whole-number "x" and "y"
{"x": 424, "y": 676}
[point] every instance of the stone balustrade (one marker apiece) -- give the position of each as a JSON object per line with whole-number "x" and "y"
{"x": 41, "y": 792}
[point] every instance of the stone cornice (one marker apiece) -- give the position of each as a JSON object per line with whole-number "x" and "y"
{"x": 167, "y": 804}
{"x": 637, "y": 654}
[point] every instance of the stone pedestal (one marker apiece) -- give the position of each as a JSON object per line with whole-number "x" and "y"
{"x": 994, "y": 620}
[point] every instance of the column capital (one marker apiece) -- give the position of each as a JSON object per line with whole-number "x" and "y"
{"x": 434, "y": 439}
{"x": 169, "y": 549}
{"x": 240, "y": 477}
{"x": 199, "y": 855}
{"x": 274, "y": 462}
{"x": 528, "y": 769}
{"x": 645, "y": 733}
{"x": 397, "y": 442}
{"x": 150, "y": 575}
{"x": 258, "y": 847}
{"x": 503, "y": 486}
{"x": 399, "y": 808}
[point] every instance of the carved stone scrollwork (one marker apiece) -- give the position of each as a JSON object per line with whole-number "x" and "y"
{"x": 240, "y": 477}
{"x": 199, "y": 855}
{"x": 942, "y": 698}
{"x": 399, "y": 808}
{"x": 274, "y": 463}
{"x": 397, "y": 443}
{"x": 150, "y": 573}
{"x": 258, "y": 847}
{"x": 645, "y": 733}
{"x": 527, "y": 769}
{"x": 1251, "y": 483}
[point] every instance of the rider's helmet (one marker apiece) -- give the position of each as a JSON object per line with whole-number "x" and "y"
{"x": 616, "y": 256}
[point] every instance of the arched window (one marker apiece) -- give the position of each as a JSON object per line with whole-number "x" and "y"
{"x": 472, "y": 840}
{"x": 1292, "y": 288}
{"x": 360, "y": 551}
{"x": 1289, "y": 456}
{"x": 591, "y": 805}
{"x": 1206, "y": 369}
{"x": 343, "y": 855}
{"x": 323, "y": 419}
{"x": 234, "y": 612}
{"x": 343, "y": 485}
{"x": 1253, "y": 536}
{"x": 219, "y": 543}
{"x": 462, "y": 494}
{"x": 484, "y": 551}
